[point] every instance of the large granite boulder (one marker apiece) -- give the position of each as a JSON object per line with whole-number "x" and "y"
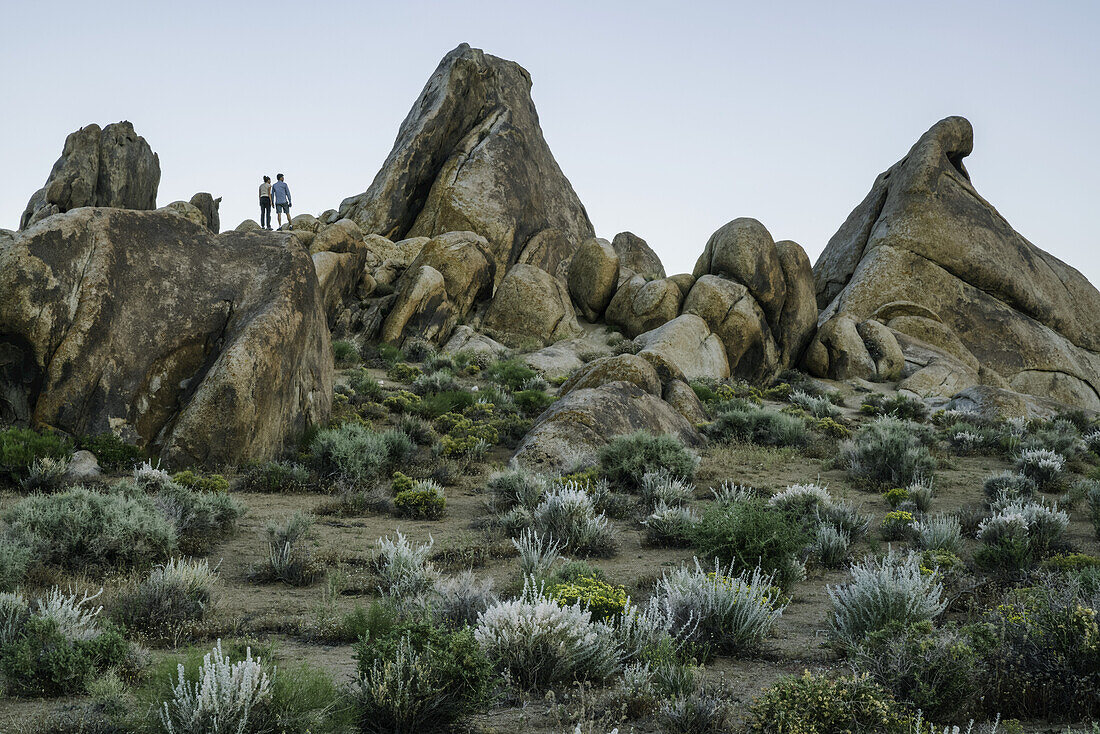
{"x": 593, "y": 277}
{"x": 684, "y": 348}
{"x": 639, "y": 305}
{"x": 470, "y": 155}
{"x": 340, "y": 256}
{"x": 208, "y": 349}
{"x": 924, "y": 237}
{"x": 618, "y": 368}
{"x": 530, "y": 306}
{"x": 421, "y": 308}
{"x": 107, "y": 167}
{"x": 731, "y": 312}
{"x": 579, "y": 424}
{"x": 637, "y": 256}
{"x": 208, "y": 205}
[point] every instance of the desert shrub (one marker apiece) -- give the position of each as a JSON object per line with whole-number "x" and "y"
{"x": 1009, "y": 485}
{"x": 511, "y": 373}
{"x": 1017, "y": 533}
{"x": 567, "y": 514}
{"x": 344, "y": 353}
{"x": 365, "y": 386}
{"x": 200, "y": 518}
{"x": 45, "y": 475}
{"x": 625, "y": 460}
{"x": 357, "y": 454}
{"x": 942, "y": 532}
{"x": 417, "y": 429}
{"x": 439, "y": 404}
{"x": 882, "y": 591}
{"x": 435, "y": 382}
{"x": 458, "y": 600}
{"x": 845, "y": 517}
{"x": 420, "y": 678}
{"x": 830, "y": 427}
{"x": 288, "y": 557}
{"x": 935, "y": 670}
{"x": 537, "y": 553}
{"x": 376, "y": 620}
{"x": 660, "y": 487}
{"x": 800, "y": 499}
{"x": 921, "y": 494}
{"x": 539, "y": 642}
{"x": 1093, "y": 498}
{"x": 698, "y": 712}
{"x": 1070, "y": 563}
{"x": 816, "y": 405}
{"x": 16, "y": 553}
{"x": 897, "y": 525}
{"x": 758, "y": 425}
{"x": 403, "y": 567}
{"x": 830, "y": 546}
{"x": 750, "y": 534}
{"x": 822, "y": 704}
{"x": 895, "y": 496}
{"x": 224, "y": 696}
{"x": 403, "y": 372}
{"x": 402, "y": 401}
{"x": 899, "y": 406}
{"x": 19, "y": 447}
{"x": 173, "y": 594}
{"x": 112, "y": 453}
{"x": 424, "y": 500}
{"x": 1044, "y": 467}
{"x": 464, "y": 436}
{"x": 201, "y": 482}
{"x": 670, "y": 526}
{"x": 532, "y": 402}
{"x": 53, "y": 645}
{"x": 888, "y": 452}
{"x": 81, "y": 529}
{"x": 277, "y": 476}
{"x": 602, "y": 600}
{"x": 722, "y": 609}
{"x": 1092, "y": 441}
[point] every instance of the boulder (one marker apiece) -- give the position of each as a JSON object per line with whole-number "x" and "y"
{"x": 731, "y": 312}
{"x": 593, "y": 277}
{"x": 744, "y": 251}
{"x": 579, "y": 424}
{"x": 105, "y": 167}
{"x": 924, "y": 236}
{"x": 340, "y": 256}
{"x": 83, "y": 468}
{"x": 684, "y": 348}
{"x": 209, "y": 206}
{"x": 680, "y": 396}
{"x": 619, "y": 368}
{"x": 463, "y": 259}
{"x": 640, "y": 305}
{"x": 211, "y": 349}
{"x": 993, "y": 403}
{"x": 470, "y": 156}
{"x": 530, "y": 305}
{"x": 883, "y": 348}
{"x": 635, "y": 254}
{"x": 798, "y": 319}
{"x": 190, "y": 212}
{"x": 248, "y": 225}
{"x": 556, "y": 361}
{"x": 549, "y": 250}
{"x": 421, "y": 309}
{"x": 465, "y": 339}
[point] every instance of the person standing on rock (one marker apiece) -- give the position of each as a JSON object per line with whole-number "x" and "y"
{"x": 282, "y": 200}
{"x": 265, "y": 203}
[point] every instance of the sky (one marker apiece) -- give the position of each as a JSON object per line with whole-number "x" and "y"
{"x": 669, "y": 119}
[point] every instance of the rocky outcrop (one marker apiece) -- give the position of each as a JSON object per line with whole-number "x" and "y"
{"x": 470, "y": 156}
{"x": 209, "y": 206}
{"x": 206, "y": 349}
{"x": 684, "y": 349}
{"x": 579, "y": 424}
{"x": 421, "y": 308}
{"x": 465, "y": 339}
{"x": 619, "y": 368}
{"x": 593, "y": 277}
{"x": 530, "y": 305}
{"x": 639, "y": 305}
{"x": 637, "y": 256}
{"x": 960, "y": 280}
{"x": 106, "y": 167}
{"x": 340, "y": 256}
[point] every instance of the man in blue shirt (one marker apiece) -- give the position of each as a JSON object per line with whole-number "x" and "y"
{"x": 282, "y": 200}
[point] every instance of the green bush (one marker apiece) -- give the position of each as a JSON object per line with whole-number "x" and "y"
{"x": 888, "y": 452}
{"x": 19, "y": 447}
{"x": 15, "y": 556}
{"x": 41, "y": 661}
{"x": 897, "y": 525}
{"x": 201, "y": 482}
{"x": 364, "y": 385}
{"x": 358, "y": 455}
{"x": 200, "y": 518}
{"x": 277, "y": 476}
{"x": 758, "y": 425}
{"x": 81, "y": 529}
{"x": 112, "y": 453}
{"x": 603, "y": 600}
{"x": 402, "y": 401}
{"x": 899, "y": 406}
{"x": 626, "y": 459}
{"x": 511, "y": 373}
{"x": 172, "y": 595}
{"x": 423, "y": 501}
{"x": 452, "y": 401}
{"x": 403, "y": 372}
{"x": 824, "y": 704}
{"x": 750, "y": 533}
{"x": 532, "y": 402}
{"x": 344, "y": 353}
{"x": 420, "y": 678}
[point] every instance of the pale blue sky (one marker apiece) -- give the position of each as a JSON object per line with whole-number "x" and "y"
{"x": 669, "y": 118}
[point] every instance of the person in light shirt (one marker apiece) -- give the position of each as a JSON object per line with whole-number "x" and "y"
{"x": 265, "y": 203}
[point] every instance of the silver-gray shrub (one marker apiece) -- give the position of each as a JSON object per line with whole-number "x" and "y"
{"x": 730, "y": 493}
{"x": 830, "y": 546}
{"x": 517, "y": 488}
{"x": 845, "y": 517}
{"x": 920, "y": 494}
{"x": 458, "y": 600}
{"x": 881, "y": 591}
{"x": 435, "y": 382}
{"x": 1092, "y": 441}
{"x": 816, "y": 405}
{"x": 1009, "y": 485}
{"x": 403, "y": 568}
{"x": 44, "y": 475}
{"x": 14, "y": 613}
{"x": 800, "y": 498}
{"x": 1044, "y": 467}
{"x": 732, "y": 612}
{"x": 289, "y": 559}
{"x": 224, "y": 697}
{"x": 1045, "y": 525}
{"x": 357, "y": 454}
{"x": 661, "y": 487}
{"x": 670, "y": 525}
{"x": 888, "y": 451}
{"x": 537, "y": 553}
{"x": 939, "y": 532}
{"x": 568, "y": 514}
{"x": 179, "y": 591}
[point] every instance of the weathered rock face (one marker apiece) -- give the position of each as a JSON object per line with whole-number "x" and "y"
{"x": 209, "y": 206}
{"x": 923, "y": 238}
{"x": 470, "y": 156}
{"x": 593, "y": 277}
{"x": 340, "y": 256}
{"x": 421, "y": 308}
{"x": 530, "y": 305}
{"x": 619, "y": 368}
{"x": 106, "y": 167}
{"x": 639, "y": 306}
{"x": 580, "y": 423}
{"x": 684, "y": 348}
{"x": 637, "y": 256}
{"x": 210, "y": 349}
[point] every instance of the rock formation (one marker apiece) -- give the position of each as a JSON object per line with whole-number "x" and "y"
{"x": 637, "y": 256}
{"x": 968, "y": 300}
{"x": 530, "y": 306}
{"x": 470, "y": 156}
{"x": 107, "y": 167}
{"x": 205, "y": 349}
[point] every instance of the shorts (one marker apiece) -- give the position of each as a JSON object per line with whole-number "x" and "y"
{"x": 282, "y": 209}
